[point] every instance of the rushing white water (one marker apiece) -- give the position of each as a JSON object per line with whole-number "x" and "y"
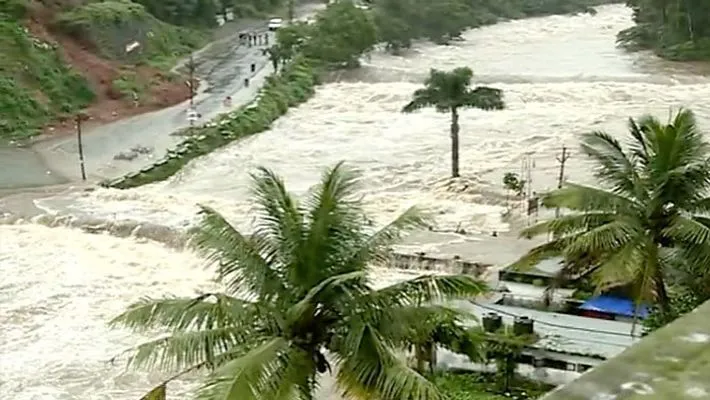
{"x": 562, "y": 76}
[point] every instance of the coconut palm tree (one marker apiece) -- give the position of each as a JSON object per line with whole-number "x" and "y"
{"x": 647, "y": 218}
{"x": 450, "y": 91}
{"x": 297, "y": 302}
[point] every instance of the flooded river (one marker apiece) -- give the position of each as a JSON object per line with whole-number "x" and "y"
{"x": 562, "y": 76}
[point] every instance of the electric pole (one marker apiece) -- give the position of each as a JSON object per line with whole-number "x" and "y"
{"x": 561, "y": 178}
{"x": 191, "y": 83}
{"x": 79, "y": 118}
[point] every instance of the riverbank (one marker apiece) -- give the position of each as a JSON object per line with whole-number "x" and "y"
{"x": 679, "y": 33}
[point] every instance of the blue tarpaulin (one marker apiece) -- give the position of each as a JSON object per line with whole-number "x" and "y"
{"x": 613, "y": 305}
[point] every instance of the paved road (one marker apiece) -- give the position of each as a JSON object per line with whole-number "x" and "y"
{"x": 223, "y": 65}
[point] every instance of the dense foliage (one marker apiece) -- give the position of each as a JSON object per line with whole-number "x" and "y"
{"x": 297, "y": 301}
{"x": 202, "y": 12}
{"x": 399, "y": 22}
{"x": 646, "y": 227}
{"x": 472, "y": 386}
{"x": 675, "y": 29}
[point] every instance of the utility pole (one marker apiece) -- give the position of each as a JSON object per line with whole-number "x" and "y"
{"x": 561, "y": 178}
{"x": 191, "y": 83}
{"x": 79, "y": 118}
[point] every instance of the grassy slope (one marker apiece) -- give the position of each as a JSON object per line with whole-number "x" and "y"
{"x": 36, "y": 85}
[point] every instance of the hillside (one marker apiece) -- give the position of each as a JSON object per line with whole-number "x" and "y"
{"x": 62, "y": 56}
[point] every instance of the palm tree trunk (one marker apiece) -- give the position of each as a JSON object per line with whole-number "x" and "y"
{"x": 291, "y": 10}
{"x": 454, "y": 143}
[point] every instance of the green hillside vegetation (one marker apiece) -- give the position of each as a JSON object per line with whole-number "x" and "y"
{"x": 35, "y": 85}
{"x": 677, "y": 30}
{"x": 109, "y": 26}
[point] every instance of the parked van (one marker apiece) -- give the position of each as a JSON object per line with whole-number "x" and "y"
{"x": 275, "y": 23}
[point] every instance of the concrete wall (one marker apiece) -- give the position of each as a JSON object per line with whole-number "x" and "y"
{"x": 421, "y": 261}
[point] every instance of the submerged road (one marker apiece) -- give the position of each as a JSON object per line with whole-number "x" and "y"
{"x": 221, "y": 66}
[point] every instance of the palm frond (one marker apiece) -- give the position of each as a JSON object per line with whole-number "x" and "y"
{"x": 369, "y": 367}
{"x": 430, "y": 288}
{"x": 621, "y": 267}
{"x": 341, "y": 287}
{"x": 241, "y": 262}
{"x": 157, "y": 393}
{"x": 685, "y": 229}
{"x": 568, "y": 224}
{"x": 190, "y": 350}
{"x": 551, "y": 249}
{"x": 484, "y": 98}
{"x": 335, "y": 225}
{"x": 377, "y": 248}
{"x": 182, "y": 314}
{"x": 280, "y": 222}
{"x": 422, "y": 98}
{"x": 583, "y": 198}
{"x": 614, "y": 167}
{"x": 265, "y": 372}
{"x": 408, "y": 324}
{"x": 604, "y": 238}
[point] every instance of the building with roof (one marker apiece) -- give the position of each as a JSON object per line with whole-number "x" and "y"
{"x": 612, "y": 307}
{"x": 566, "y": 342}
{"x": 669, "y": 364}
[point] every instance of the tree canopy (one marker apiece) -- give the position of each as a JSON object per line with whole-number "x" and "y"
{"x": 646, "y": 225}
{"x": 676, "y": 29}
{"x": 399, "y": 22}
{"x": 298, "y": 302}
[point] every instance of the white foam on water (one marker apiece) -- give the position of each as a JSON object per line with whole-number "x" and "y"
{"x": 562, "y": 76}
{"x": 55, "y": 342}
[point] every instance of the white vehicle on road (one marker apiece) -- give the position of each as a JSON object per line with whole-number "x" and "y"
{"x": 192, "y": 115}
{"x": 275, "y": 23}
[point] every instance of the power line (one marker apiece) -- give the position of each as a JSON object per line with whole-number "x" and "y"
{"x": 574, "y": 328}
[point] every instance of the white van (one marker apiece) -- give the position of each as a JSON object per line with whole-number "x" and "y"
{"x": 275, "y": 23}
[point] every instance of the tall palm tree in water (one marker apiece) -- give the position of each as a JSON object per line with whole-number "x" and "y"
{"x": 449, "y": 92}
{"x": 297, "y": 303}
{"x": 648, "y": 218}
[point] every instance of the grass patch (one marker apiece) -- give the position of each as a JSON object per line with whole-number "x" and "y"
{"x": 35, "y": 85}
{"x": 479, "y": 386}
{"x": 109, "y": 27}
{"x": 292, "y": 86}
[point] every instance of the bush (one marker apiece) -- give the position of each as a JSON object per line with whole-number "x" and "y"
{"x": 293, "y": 86}
{"x": 479, "y": 386}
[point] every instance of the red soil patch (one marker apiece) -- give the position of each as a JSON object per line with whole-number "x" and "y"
{"x": 100, "y": 73}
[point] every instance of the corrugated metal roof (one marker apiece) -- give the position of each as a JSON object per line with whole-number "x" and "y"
{"x": 566, "y": 333}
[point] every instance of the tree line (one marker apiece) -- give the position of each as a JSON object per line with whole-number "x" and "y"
{"x": 675, "y": 29}
{"x": 203, "y": 12}
{"x": 399, "y": 22}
